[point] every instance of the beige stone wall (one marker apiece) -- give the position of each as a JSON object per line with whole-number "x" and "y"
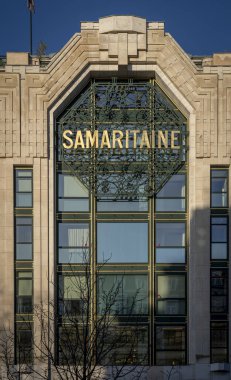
{"x": 31, "y": 96}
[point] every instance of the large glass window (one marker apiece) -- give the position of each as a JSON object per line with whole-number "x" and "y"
{"x": 24, "y": 346}
{"x": 219, "y": 187}
{"x": 72, "y": 294}
{"x": 72, "y": 194}
{"x": 122, "y": 242}
{"x": 171, "y": 197}
{"x": 73, "y": 242}
{"x": 129, "y": 294}
{"x": 170, "y": 297}
{"x": 170, "y": 242}
{"x": 219, "y": 238}
{"x": 23, "y": 238}
{"x": 170, "y": 345}
{"x": 24, "y": 292}
{"x": 23, "y": 187}
{"x": 219, "y": 291}
{"x": 219, "y": 342}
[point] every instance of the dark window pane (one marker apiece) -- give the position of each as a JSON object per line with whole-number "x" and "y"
{"x": 219, "y": 251}
{"x": 170, "y": 307}
{"x": 23, "y": 251}
{"x": 219, "y": 342}
{"x": 170, "y": 345}
{"x": 23, "y": 341}
{"x": 23, "y": 234}
{"x": 130, "y": 294}
{"x": 122, "y": 242}
{"x": 219, "y": 173}
{"x": 219, "y": 220}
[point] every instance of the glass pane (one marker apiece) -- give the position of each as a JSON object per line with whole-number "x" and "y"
{"x": 174, "y": 188}
{"x": 73, "y": 235}
{"x": 23, "y": 185}
{"x": 219, "y": 233}
{"x": 170, "y": 234}
{"x": 170, "y": 338}
{"x": 130, "y": 293}
{"x": 23, "y": 234}
{"x": 170, "y": 255}
{"x": 122, "y": 206}
{"x": 219, "y": 304}
{"x": 219, "y": 220}
{"x": 170, "y": 358}
{"x": 24, "y": 287}
{"x": 23, "y": 251}
{"x": 219, "y": 200}
{"x": 74, "y": 287}
{"x": 72, "y": 205}
{"x": 23, "y": 221}
{"x": 122, "y": 242}
{"x": 219, "y": 185}
{"x": 73, "y": 255}
{"x": 170, "y": 205}
{"x": 219, "y": 173}
{"x": 23, "y": 173}
{"x": 23, "y": 200}
{"x": 171, "y": 286}
{"x": 219, "y": 251}
{"x": 219, "y": 355}
{"x": 70, "y": 186}
{"x": 170, "y": 307}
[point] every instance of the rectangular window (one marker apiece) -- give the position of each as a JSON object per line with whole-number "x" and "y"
{"x": 24, "y": 346}
{"x": 23, "y": 188}
{"x": 129, "y": 294}
{"x": 171, "y": 198}
{"x": 73, "y": 196}
{"x": 170, "y": 345}
{"x": 219, "y": 291}
{"x": 170, "y": 242}
{"x": 170, "y": 297}
{"x": 23, "y": 238}
{"x": 72, "y": 294}
{"x": 73, "y": 242}
{"x": 219, "y": 188}
{"x": 219, "y": 342}
{"x": 122, "y": 242}
{"x": 24, "y": 291}
{"x": 219, "y": 238}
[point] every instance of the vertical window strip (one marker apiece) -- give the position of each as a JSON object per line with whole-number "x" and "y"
{"x": 219, "y": 274}
{"x": 23, "y": 209}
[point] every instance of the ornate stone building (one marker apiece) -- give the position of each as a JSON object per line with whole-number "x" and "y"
{"x": 170, "y": 242}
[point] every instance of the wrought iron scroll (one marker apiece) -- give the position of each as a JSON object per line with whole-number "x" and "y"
{"x": 122, "y": 173}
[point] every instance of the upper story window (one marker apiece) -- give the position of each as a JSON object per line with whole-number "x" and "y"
{"x": 23, "y": 188}
{"x": 219, "y": 188}
{"x": 72, "y": 194}
{"x": 172, "y": 196}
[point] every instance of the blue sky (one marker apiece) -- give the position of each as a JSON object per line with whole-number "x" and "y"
{"x": 201, "y": 27}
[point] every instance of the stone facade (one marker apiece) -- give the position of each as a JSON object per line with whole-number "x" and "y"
{"x": 31, "y": 95}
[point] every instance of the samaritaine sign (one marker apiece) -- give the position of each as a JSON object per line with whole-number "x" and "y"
{"x": 122, "y": 139}
{"x": 119, "y": 139}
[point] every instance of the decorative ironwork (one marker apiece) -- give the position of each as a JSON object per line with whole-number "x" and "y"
{"x": 123, "y": 173}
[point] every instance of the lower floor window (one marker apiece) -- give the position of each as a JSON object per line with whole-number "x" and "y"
{"x": 24, "y": 342}
{"x": 219, "y": 342}
{"x": 170, "y": 345}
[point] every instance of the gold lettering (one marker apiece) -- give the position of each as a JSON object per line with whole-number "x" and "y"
{"x": 92, "y": 139}
{"x": 69, "y": 139}
{"x": 79, "y": 140}
{"x": 135, "y": 131}
{"x": 105, "y": 140}
{"x": 173, "y": 139}
{"x": 162, "y": 138}
{"x": 117, "y": 139}
{"x": 145, "y": 140}
{"x": 127, "y": 140}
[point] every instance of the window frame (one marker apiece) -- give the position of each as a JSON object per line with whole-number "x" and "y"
{"x": 213, "y": 168}
{"x": 16, "y": 169}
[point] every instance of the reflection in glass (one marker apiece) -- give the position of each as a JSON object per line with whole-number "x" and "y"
{"x": 23, "y": 182}
{"x": 72, "y": 194}
{"x": 170, "y": 345}
{"x": 122, "y": 242}
{"x": 219, "y": 236}
{"x": 172, "y": 196}
{"x": 170, "y": 242}
{"x": 73, "y": 242}
{"x": 219, "y": 342}
{"x": 171, "y": 294}
{"x": 23, "y": 238}
{"x": 219, "y": 188}
{"x": 130, "y": 293}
